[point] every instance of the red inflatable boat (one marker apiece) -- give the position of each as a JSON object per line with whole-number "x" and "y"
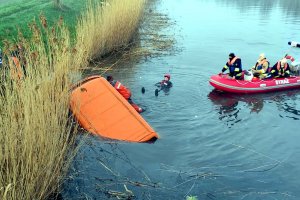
{"x": 224, "y": 83}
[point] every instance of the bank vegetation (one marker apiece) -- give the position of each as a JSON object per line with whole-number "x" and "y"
{"x": 37, "y": 135}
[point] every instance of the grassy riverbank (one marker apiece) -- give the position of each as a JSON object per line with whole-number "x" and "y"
{"x": 36, "y": 136}
{"x": 16, "y": 14}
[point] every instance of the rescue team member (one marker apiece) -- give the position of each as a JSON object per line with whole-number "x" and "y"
{"x": 261, "y": 67}
{"x": 235, "y": 67}
{"x": 165, "y": 83}
{"x": 280, "y": 69}
{"x": 124, "y": 91}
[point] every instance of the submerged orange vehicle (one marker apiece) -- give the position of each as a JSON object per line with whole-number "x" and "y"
{"x": 101, "y": 110}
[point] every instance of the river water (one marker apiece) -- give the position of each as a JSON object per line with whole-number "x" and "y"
{"x": 212, "y": 145}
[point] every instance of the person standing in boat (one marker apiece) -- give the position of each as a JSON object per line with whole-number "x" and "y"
{"x": 260, "y": 69}
{"x": 234, "y": 64}
{"x": 125, "y": 92}
{"x": 280, "y": 69}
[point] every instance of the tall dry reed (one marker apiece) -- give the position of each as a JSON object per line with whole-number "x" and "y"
{"x": 36, "y": 136}
{"x": 108, "y": 26}
{"x": 35, "y": 133}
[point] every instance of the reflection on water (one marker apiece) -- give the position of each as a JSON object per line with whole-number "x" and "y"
{"x": 228, "y": 101}
{"x": 292, "y": 110}
{"x": 228, "y": 104}
{"x": 289, "y": 105}
{"x": 290, "y": 7}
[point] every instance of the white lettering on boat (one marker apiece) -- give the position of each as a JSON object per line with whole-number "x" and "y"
{"x": 281, "y": 82}
{"x": 262, "y": 85}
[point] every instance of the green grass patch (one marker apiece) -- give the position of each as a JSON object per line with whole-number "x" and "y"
{"x": 16, "y": 14}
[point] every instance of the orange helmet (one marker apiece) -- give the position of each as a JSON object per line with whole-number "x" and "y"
{"x": 168, "y": 76}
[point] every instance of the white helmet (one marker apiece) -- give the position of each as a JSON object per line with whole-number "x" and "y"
{"x": 261, "y": 57}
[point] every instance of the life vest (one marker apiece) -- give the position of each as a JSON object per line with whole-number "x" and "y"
{"x": 279, "y": 68}
{"x": 259, "y": 65}
{"x": 164, "y": 83}
{"x": 124, "y": 91}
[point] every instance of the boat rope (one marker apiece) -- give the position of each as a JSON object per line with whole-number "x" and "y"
{"x": 246, "y": 82}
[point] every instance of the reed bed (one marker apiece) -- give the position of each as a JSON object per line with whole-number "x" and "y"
{"x": 37, "y": 137}
{"x": 108, "y": 26}
{"x": 36, "y": 134}
{"x": 156, "y": 37}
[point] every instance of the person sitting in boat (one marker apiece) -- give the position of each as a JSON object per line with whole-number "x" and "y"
{"x": 125, "y": 92}
{"x": 261, "y": 67}
{"x": 235, "y": 67}
{"x": 280, "y": 69}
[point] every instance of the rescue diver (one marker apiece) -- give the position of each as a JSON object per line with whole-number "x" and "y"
{"x": 125, "y": 92}
{"x": 234, "y": 64}
{"x": 165, "y": 83}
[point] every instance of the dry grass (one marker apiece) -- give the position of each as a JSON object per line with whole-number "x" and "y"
{"x": 156, "y": 37}
{"x": 36, "y": 136}
{"x": 108, "y": 26}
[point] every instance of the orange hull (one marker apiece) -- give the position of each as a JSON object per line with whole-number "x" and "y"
{"x": 101, "y": 110}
